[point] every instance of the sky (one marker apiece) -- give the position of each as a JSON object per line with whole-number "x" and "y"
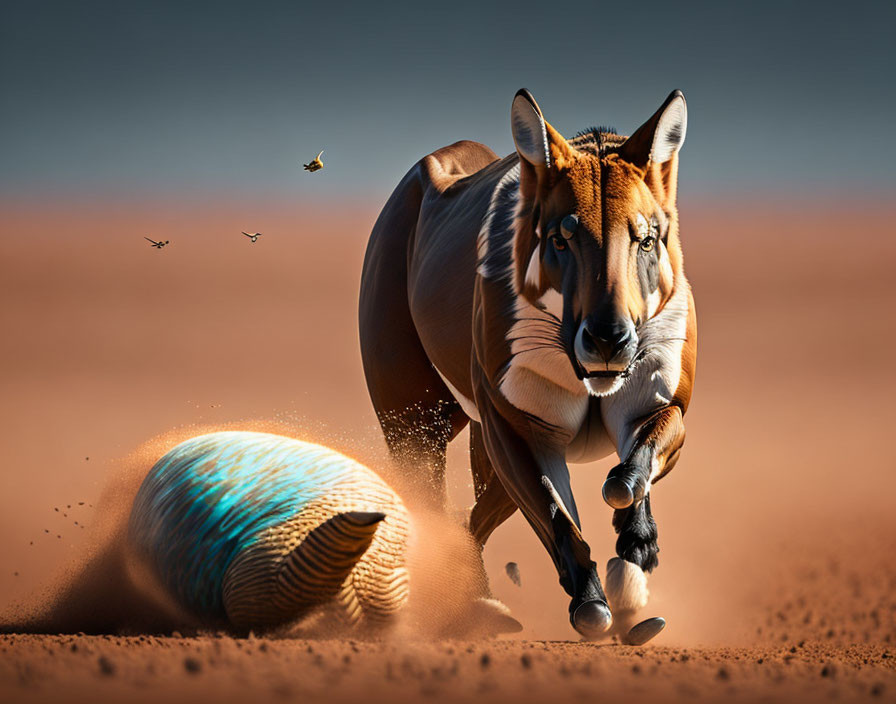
{"x": 125, "y": 99}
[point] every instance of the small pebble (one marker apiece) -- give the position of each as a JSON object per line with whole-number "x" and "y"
{"x": 107, "y": 667}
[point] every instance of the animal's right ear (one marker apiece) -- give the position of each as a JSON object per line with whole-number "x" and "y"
{"x": 530, "y": 134}
{"x": 541, "y": 148}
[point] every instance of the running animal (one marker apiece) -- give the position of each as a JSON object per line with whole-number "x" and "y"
{"x": 542, "y": 299}
{"x": 254, "y": 531}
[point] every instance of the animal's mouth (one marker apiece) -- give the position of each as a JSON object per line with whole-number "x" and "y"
{"x": 606, "y": 374}
{"x": 582, "y": 373}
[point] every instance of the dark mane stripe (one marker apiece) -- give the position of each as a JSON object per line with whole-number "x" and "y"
{"x": 597, "y": 140}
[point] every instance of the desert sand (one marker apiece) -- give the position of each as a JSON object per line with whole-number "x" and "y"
{"x": 777, "y": 528}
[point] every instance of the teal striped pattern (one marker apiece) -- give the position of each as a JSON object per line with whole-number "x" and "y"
{"x": 210, "y": 497}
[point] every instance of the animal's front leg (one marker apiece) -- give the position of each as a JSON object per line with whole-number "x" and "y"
{"x": 655, "y": 447}
{"x": 537, "y": 479}
{"x": 654, "y": 451}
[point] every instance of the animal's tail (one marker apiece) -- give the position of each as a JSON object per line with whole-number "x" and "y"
{"x": 313, "y": 573}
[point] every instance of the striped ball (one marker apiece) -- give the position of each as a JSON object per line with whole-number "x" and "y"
{"x": 257, "y": 530}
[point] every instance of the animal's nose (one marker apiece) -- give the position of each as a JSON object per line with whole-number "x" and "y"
{"x": 605, "y": 340}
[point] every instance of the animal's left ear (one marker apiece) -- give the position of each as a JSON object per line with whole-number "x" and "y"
{"x": 660, "y": 138}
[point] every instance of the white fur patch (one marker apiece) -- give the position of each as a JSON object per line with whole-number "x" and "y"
{"x": 540, "y": 379}
{"x": 467, "y": 404}
{"x": 533, "y": 271}
{"x": 529, "y": 133}
{"x": 535, "y": 346}
{"x": 601, "y": 387}
{"x": 552, "y": 302}
{"x": 653, "y": 302}
{"x": 482, "y": 242}
{"x": 666, "y": 275}
{"x": 654, "y": 380}
{"x": 670, "y": 131}
{"x": 533, "y": 393}
{"x": 643, "y": 226}
{"x": 625, "y": 586}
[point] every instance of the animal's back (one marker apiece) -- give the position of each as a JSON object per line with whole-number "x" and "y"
{"x": 425, "y": 233}
{"x": 210, "y": 498}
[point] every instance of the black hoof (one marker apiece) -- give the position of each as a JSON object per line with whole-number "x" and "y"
{"x": 617, "y": 493}
{"x": 645, "y": 631}
{"x": 592, "y": 619}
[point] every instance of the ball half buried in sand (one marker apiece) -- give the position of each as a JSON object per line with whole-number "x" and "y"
{"x": 255, "y": 531}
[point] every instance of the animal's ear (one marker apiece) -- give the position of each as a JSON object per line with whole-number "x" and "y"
{"x": 543, "y": 151}
{"x": 660, "y": 138}
{"x": 544, "y": 156}
{"x": 530, "y": 134}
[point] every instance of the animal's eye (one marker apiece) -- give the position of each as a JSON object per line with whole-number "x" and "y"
{"x": 559, "y": 242}
{"x": 648, "y": 243}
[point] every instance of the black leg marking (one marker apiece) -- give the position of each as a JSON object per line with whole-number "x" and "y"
{"x": 637, "y": 535}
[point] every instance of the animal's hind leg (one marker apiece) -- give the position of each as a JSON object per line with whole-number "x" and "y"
{"x": 493, "y": 505}
{"x": 417, "y": 412}
{"x": 418, "y": 435}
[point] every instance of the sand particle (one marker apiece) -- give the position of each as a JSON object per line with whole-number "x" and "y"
{"x": 107, "y": 667}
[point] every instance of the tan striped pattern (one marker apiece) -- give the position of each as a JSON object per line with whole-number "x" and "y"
{"x": 319, "y": 567}
{"x": 332, "y": 554}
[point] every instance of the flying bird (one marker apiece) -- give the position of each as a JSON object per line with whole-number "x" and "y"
{"x": 513, "y": 571}
{"x": 252, "y": 235}
{"x": 157, "y": 245}
{"x": 315, "y": 164}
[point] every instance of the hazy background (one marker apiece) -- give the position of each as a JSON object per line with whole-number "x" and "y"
{"x": 190, "y": 122}
{"x": 123, "y": 99}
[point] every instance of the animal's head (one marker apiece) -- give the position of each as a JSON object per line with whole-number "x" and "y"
{"x": 598, "y": 224}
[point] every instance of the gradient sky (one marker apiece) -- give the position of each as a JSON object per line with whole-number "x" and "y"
{"x": 122, "y": 98}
